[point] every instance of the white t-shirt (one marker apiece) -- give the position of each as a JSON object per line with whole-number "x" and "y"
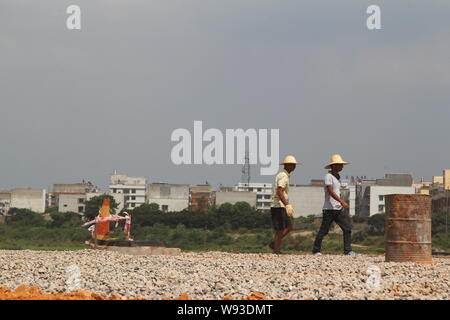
{"x": 330, "y": 203}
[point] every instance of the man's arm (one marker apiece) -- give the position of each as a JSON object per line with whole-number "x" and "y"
{"x": 335, "y": 197}
{"x": 280, "y": 193}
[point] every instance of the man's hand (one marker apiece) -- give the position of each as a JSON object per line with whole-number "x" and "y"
{"x": 290, "y": 210}
{"x": 345, "y": 204}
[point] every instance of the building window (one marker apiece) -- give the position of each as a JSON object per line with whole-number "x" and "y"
{"x": 133, "y": 198}
{"x": 133, "y": 190}
{"x": 165, "y": 208}
{"x": 381, "y": 198}
{"x": 65, "y": 206}
{"x": 126, "y": 190}
{"x": 114, "y": 190}
{"x": 80, "y": 209}
{"x": 80, "y": 200}
{"x": 381, "y": 208}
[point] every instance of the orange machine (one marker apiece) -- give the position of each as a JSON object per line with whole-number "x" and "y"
{"x": 103, "y": 227}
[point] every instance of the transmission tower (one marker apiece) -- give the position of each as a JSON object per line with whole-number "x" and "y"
{"x": 246, "y": 170}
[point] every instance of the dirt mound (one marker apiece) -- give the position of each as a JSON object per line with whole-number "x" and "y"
{"x": 34, "y": 293}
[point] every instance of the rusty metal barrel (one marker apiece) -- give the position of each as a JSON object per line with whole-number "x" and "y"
{"x": 408, "y": 227}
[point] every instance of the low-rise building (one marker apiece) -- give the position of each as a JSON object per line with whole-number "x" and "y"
{"x": 263, "y": 193}
{"x": 446, "y": 179}
{"x": 370, "y": 193}
{"x": 440, "y": 193}
{"x": 71, "y": 197}
{"x": 134, "y": 189}
{"x": 72, "y": 203}
{"x": 374, "y": 201}
{"x": 169, "y": 197}
{"x": 23, "y": 198}
{"x": 201, "y": 197}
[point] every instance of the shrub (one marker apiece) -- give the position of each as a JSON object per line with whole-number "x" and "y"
{"x": 25, "y": 217}
{"x": 438, "y": 222}
{"x": 360, "y": 236}
{"x": 376, "y": 224}
{"x": 64, "y": 219}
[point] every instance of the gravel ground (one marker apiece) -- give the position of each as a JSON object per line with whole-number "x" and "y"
{"x": 213, "y": 275}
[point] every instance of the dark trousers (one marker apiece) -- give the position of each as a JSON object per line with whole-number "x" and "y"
{"x": 343, "y": 220}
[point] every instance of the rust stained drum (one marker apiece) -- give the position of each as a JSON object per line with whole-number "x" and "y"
{"x": 408, "y": 227}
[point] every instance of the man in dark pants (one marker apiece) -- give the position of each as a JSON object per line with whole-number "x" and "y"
{"x": 282, "y": 212}
{"x": 333, "y": 207}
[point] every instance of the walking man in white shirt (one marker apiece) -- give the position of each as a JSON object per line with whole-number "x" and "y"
{"x": 282, "y": 212}
{"x": 333, "y": 207}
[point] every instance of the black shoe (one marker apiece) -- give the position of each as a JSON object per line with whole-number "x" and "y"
{"x": 278, "y": 252}
{"x": 270, "y": 245}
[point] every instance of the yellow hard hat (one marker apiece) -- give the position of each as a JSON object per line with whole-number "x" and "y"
{"x": 290, "y": 160}
{"x": 336, "y": 159}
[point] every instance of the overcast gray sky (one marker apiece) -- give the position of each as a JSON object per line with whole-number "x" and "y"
{"x": 78, "y": 104}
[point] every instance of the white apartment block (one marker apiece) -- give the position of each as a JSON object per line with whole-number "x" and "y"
{"x": 263, "y": 193}
{"x": 377, "y": 194}
{"x": 134, "y": 189}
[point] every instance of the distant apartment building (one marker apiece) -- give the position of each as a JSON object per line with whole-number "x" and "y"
{"x": 438, "y": 180}
{"x": 134, "y": 189}
{"x": 72, "y": 203}
{"x": 446, "y": 179}
{"x": 423, "y": 187}
{"x": 201, "y": 197}
{"x": 263, "y": 193}
{"x": 378, "y": 193}
{"x": 22, "y": 198}
{"x": 370, "y": 198}
{"x": 232, "y": 197}
{"x": 70, "y": 197}
{"x": 169, "y": 197}
{"x": 440, "y": 193}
